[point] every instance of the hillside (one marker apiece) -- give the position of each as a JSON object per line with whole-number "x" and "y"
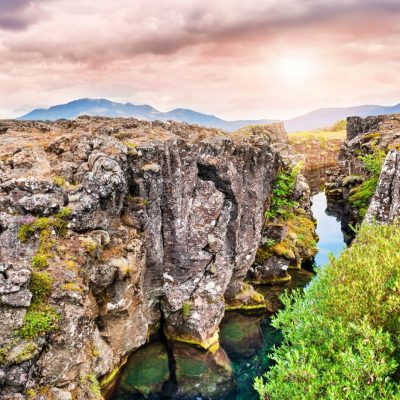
{"x": 101, "y": 107}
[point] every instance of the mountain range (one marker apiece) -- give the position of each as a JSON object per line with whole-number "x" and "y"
{"x": 320, "y": 118}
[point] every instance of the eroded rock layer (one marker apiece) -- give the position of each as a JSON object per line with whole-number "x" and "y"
{"x": 111, "y": 228}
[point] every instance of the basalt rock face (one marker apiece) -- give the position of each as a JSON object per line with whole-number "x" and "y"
{"x": 126, "y": 225}
{"x": 318, "y": 155}
{"x": 385, "y": 205}
{"x": 364, "y": 137}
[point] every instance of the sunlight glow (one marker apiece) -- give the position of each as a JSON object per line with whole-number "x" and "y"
{"x": 295, "y": 70}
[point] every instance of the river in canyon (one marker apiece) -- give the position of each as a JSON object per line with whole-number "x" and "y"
{"x": 245, "y": 338}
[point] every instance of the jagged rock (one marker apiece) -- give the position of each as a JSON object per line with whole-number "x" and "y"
{"x": 59, "y": 394}
{"x": 272, "y": 271}
{"x": 165, "y": 233}
{"x": 363, "y": 136}
{"x": 385, "y": 205}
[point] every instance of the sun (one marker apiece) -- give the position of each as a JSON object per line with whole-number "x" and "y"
{"x": 295, "y": 70}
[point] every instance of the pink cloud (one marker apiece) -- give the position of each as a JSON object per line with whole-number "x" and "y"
{"x": 219, "y": 57}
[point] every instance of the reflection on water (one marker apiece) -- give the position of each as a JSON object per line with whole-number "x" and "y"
{"x": 245, "y": 338}
{"x": 329, "y": 228}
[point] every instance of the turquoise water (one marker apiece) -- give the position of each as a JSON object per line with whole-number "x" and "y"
{"x": 331, "y": 238}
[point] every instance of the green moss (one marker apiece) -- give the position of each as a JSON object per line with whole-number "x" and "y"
{"x": 27, "y": 352}
{"x": 207, "y": 344}
{"x": 71, "y": 287}
{"x": 300, "y": 241}
{"x": 360, "y": 196}
{"x": 351, "y": 180}
{"x": 40, "y": 286}
{"x": 25, "y": 232}
{"x": 93, "y": 385}
{"x": 263, "y": 253}
{"x": 373, "y": 135}
{"x": 44, "y": 226}
{"x": 39, "y": 261}
{"x": 59, "y": 181}
{"x": 186, "y": 309}
{"x": 38, "y": 321}
{"x": 275, "y": 280}
{"x": 109, "y": 378}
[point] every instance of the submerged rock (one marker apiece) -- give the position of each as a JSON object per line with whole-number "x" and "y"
{"x": 241, "y": 335}
{"x": 146, "y": 371}
{"x": 205, "y": 373}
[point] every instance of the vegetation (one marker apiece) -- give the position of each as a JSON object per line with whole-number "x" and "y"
{"x": 361, "y": 195}
{"x": 186, "y": 309}
{"x": 282, "y": 202}
{"x": 38, "y": 321}
{"x": 336, "y": 131}
{"x": 300, "y": 242}
{"x": 341, "y": 336}
{"x": 40, "y": 286}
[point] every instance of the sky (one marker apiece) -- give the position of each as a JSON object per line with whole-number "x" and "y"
{"x": 231, "y": 58}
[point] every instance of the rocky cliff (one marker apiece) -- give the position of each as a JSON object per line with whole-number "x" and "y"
{"x": 385, "y": 204}
{"x": 360, "y": 160}
{"x": 113, "y": 229}
{"x": 317, "y": 155}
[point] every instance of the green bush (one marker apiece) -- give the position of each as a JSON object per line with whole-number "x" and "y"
{"x": 339, "y": 125}
{"x": 361, "y": 195}
{"x": 373, "y": 162}
{"x": 341, "y": 336}
{"x": 282, "y": 192}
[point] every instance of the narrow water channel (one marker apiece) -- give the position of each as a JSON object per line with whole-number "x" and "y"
{"x": 245, "y": 338}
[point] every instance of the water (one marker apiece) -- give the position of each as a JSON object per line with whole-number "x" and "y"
{"x": 245, "y": 339}
{"x": 329, "y": 230}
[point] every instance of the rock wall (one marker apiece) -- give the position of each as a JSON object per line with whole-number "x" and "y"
{"x": 364, "y": 136}
{"x": 111, "y": 228}
{"x": 385, "y": 205}
{"x": 318, "y": 155}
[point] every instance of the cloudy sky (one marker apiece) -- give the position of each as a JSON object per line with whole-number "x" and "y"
{"x": 232, "y": 58}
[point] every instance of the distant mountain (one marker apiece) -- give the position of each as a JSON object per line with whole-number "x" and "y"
{"x": 325, "y": 117}
{"x": 107, "y": 108}
{"x": 320, "y": 118}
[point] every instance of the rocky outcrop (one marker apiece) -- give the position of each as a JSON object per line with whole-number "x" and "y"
{"x": 353, "y": 180}
{"x": 385, "y": 205}
{"x": 317, "y": 155}
{"x": 113, "y": 228}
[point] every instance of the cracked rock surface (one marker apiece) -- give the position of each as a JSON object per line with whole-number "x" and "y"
{"x": 130, "y": 224}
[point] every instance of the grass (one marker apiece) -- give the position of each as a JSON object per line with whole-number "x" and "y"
{"x": 302, "y": 136}
{"x": 341, "y": 336}
{"x": 336, "y": 131}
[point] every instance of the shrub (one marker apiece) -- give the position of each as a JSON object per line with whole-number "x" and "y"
{"x": 361, "y": 195}
{"x": 339, "y": 125}
{"x": 341, "y": 336}
{"x": 373, "y": 162}
{"x": 282, "y": 193}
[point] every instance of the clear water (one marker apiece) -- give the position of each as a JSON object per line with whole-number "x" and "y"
{"x": 331, "y": 238}
{"x": 248, "y": 338}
